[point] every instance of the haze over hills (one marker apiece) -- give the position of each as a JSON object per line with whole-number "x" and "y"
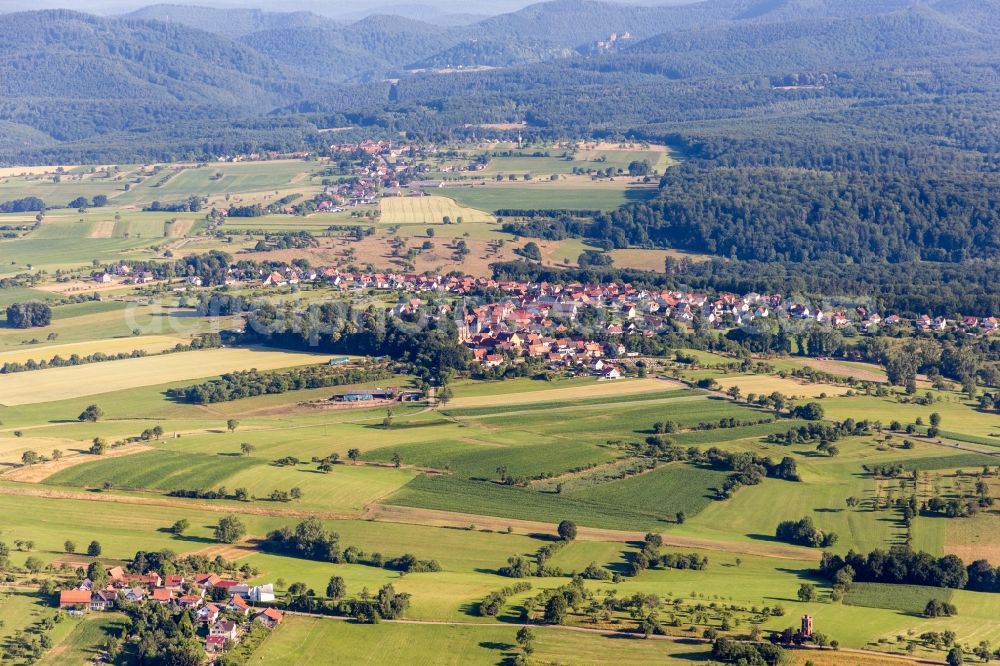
{"x": 73, "y": 77}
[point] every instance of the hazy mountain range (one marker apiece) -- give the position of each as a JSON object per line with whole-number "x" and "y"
{"x": 71, "y": 76}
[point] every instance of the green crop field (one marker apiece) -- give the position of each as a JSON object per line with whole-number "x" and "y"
{"x": 468, "y": 483}
{"x": 910, "y": 599}
{"x": 548, "y": 195}
{"x": 664, "y": 491}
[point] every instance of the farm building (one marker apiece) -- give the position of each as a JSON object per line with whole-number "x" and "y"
{"x": 363, "y": 395}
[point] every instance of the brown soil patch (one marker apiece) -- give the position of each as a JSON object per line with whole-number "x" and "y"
{"x": 102, "y": 229}
{"x": 651, "y": 260}
{"x": 180, "y": 228}
{"x": 435, "y": 518}
{"x": 229, "y": 551}
{"x": 376, "y": 250}
{"x": 842, "y": 369}
{"x": 40, "y": 472}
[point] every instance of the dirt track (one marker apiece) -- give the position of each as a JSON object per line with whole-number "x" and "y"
{"x": 42, "y": 471}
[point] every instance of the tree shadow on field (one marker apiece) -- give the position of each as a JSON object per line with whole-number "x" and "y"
{"x": 766, "y": 537}
{"x": 189, "y": 538}
{"x": 470, "y": 608}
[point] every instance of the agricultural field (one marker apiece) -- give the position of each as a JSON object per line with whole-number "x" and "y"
{"x": 477, "y": 481}
{"x": 73, "y": 382}
{"x": 580, "y": 194}
{"x": 427, "y": 210}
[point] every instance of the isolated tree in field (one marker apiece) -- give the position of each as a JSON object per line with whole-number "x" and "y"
{"x": 99, "y": 446}
{"x": 556, "y": 609}
{"x": 157, "y": 431}
{"x": 180, "y": 526}
{"x": 387, "y": 421}
{"x": 246, "y": 448}
{"x": 397, "y": 459}
{"x": 29, "y": 458}
{"x": 680, "y": 517}
{"x": 935, "y": 419}
{"x": 232, "y": 425}
{"x": 531, "y": 251}
{"x": 354, "y": 454}
{"x": 807, "y": 592}
{"x": 69, "y": 547}
{"x": 92, "y": 413}
{"x": 955, "y": 656}
{"x": 444, "y": 396}
{"x": 567, "y": 530}
{"x": 94, "y": 549}
{"x": 57, "y": 454}
{"x": 336, "y": 588}
{"x": 526, "y": 639}
{"x": 230, "y": 529}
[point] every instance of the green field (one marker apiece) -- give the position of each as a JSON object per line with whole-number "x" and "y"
{"x": 482, "y": 478}
{"x": 578, "y": 197}
{"x": 308, "y": 639}
{"x": 911, "y": 599}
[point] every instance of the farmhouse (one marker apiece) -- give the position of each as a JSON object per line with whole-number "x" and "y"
{"x": 74, "y": 599}
{"x": 270, "y": 617}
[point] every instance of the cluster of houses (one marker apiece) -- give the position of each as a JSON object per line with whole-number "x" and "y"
{"x": 122, "y": 273}
{"x": 385, "y": 168}
{"x": 227, "y": 614}
{"x": 530, "y": 307}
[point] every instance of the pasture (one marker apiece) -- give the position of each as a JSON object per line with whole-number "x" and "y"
{"x": 310, "y": 639}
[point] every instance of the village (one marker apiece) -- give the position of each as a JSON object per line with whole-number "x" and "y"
{"x": 226, "y": 608}
{"x": 538, "y": 320}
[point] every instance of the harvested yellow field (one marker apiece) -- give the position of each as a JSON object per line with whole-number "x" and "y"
{"x": 7, "y": 172}
{"x": 151, "y": 344}
{"x": 40, "y": 472}
{"x": 792, "y": 388}
{"x": 650, "y": 260}
{"x": 179, "y": 229}
{"x": 102, "y": 229}
{"x": 598, "y": 389}
{"x": 427, "y": 210}
{"x": 62, "y": 383}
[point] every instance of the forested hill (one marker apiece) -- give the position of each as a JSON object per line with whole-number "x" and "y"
{"x": 370, "y": 48}
{"x": 802, "y": 83}
{"x": 230, "y": 22}
{"x": 74, "y": 76}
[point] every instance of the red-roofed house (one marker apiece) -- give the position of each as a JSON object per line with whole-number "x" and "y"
{"x": 209, "y": 613}
{"x": 270, "y": 617}
{"x": 215, "y": 644}
{"x": 161, "y": 596}
{"x": 74, "y": 598}
{"x": 237, "y": 604}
